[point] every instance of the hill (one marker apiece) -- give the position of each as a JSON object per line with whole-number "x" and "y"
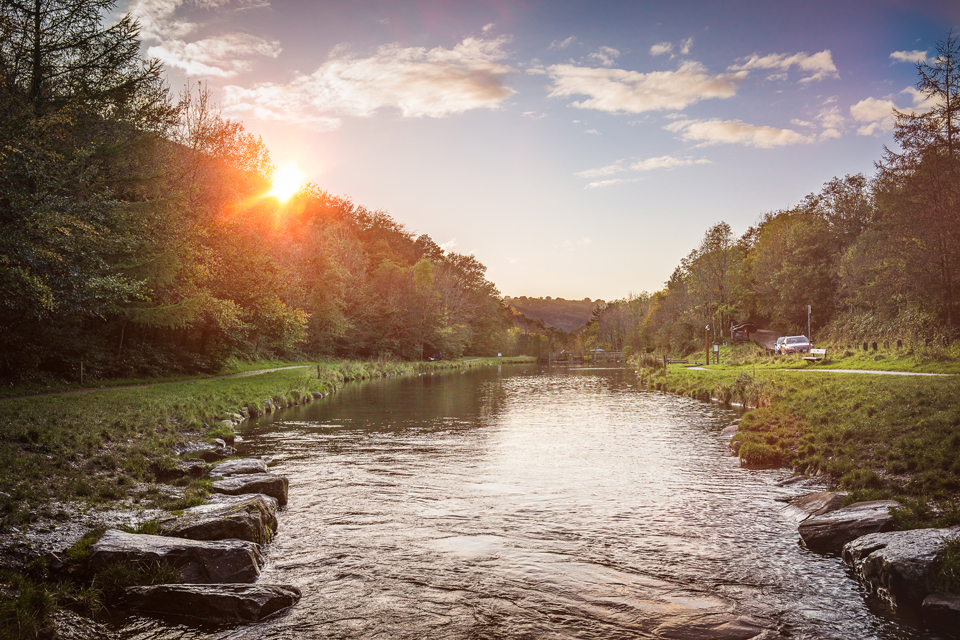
{"x": 556, "y": 312}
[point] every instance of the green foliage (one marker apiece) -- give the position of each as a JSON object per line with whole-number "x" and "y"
{"x": 948, "y": 575}
{"x": 26, "y": 614}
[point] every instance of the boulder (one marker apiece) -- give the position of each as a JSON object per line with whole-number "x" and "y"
{"x": 267, "y": 483}
{"x": 899, "y": 566}
{"x": 250, "y": 517}
{"x": 68, "y": 625}
{"x": 197, "y": 561}
{"x": 216, "y": 603}
{"x": 830, "y": 531}
{"x": 814, "y": 504}
{"x": 942, "y": 610}
{"x": 181, "y": 469}
{"x": 239, "y": 466}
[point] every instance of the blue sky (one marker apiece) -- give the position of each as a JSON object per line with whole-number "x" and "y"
{"x": 578, "y": 149}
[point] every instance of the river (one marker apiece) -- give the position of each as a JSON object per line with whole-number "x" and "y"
{"x": 529, "y": 503}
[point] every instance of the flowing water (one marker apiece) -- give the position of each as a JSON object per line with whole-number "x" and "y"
{"x": 521, "y": 503}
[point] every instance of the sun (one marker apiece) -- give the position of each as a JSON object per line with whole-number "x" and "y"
{"x": 286, "y": 182}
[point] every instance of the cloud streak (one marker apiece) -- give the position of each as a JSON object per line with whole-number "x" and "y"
{"x": 417, "y": 81}
{"x": 649, "y": 164}
{"x": 710, "y": 132}
{"x": 621, "y": 91}
{"x": 818, "y": 66}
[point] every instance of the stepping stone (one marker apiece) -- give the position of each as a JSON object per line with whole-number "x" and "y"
{"x": 267, "y": 483}
{"x": 830, "y": 531}
{"x": 213, "y": 603}
{"x": 239, "y": 466}
{"x": 199, "y": 562}
{"x": 251, "y": 517}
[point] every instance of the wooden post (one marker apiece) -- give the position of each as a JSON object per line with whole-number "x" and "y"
{"x": 81, "y": 372}
{"x": 318, "y": 372}
{"x": 706, "y": 342}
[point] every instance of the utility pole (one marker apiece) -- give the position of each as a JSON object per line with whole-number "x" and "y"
{"x": 809, "y": 333}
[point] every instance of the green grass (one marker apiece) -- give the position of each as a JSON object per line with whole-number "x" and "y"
{"x": 874, "y": 435}
{"x": 915, "y": 359}
{"x": 948, "y": 576}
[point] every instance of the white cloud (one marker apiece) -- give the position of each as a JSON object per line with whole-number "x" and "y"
{"x": 579, "y": 242}
{"x": 832, "y": 122}
{"x": 222, "y": 56}
{"x": 417, "y": 81}
{"x": 563, "y": 44}
{"x": 650, "y": 164}
{"x": 592, "y": 131}
{"x": 876, "y": 114}
{"x": 488, "y": 27}
{"x": 617, "y": 90}
{"x": 661, "y": 48}
{"x": 666, "y": 162}
{"x": 710, "y": 132}
{"x": 533, "y": 115}
{"x": 802, "y": 123}
{"x": 608, "y": 183}
{"x": 909, "y": 56}
{"x": 685, "y": 46}
{"x": 818, "y": 66}
{"x": 449, "y": 245}
{"x": 602, "y": 171}
{"x": 605, "y": 56}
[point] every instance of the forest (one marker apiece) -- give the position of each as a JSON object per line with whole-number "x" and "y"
{"x": 876, "y": 258}
{"x": 137, "y": 238}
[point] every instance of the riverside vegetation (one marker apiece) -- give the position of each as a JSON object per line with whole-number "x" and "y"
{"x": 874, "y": 436}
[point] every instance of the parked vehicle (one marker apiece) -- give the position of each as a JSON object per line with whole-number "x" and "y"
{"x": 796, "y": 344}
{"x": 776, "y": 348}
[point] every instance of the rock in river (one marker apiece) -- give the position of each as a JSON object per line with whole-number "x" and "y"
{"x": 239, "y": 466}
{"x": 198, "y": 561}
{"x": 267, "y": 483}
{"x": 250, "y": 517}
{"x": 899, "y": 566}
{"x": 941, "y": 610}
{"x": 830, "y": 531}
{"x": 814, "y": 504}
{"x": 215, "y": 603}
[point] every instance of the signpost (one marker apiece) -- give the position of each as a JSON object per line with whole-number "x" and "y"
{"x": 706, "y": 342}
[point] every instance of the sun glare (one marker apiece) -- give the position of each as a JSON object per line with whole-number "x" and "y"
{"x": 286, "y": 182}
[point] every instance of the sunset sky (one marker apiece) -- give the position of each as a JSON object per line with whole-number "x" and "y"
{"x": 578, "y": 149}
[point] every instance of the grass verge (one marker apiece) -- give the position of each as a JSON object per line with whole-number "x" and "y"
{"x": 875, "y": 436}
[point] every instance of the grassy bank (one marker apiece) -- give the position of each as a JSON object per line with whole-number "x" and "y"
{"x": 104, "y": 445}
{"x": 873, "y": 435}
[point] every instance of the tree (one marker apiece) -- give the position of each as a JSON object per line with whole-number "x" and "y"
{"x": 920, "y": 184}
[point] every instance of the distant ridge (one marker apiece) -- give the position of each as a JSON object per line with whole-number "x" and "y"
{"x": 567, "y": 315}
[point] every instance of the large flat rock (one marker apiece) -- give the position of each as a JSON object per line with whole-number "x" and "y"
{"x": 213, "y": 603}
{"x": 830, "y": 531}
{"x": 899, "y": 566}
{"x": 267, "y": 483}
{"x": 239, "y": 466}
{"x": 814, "y": 504}
{"x": 199, "y": 562}
{"x": 251, "y": 517}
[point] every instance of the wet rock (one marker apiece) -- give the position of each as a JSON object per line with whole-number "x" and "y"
{"x": 217, "y": 452}
{"x": 899, "y": 566}
{"x": 182, "y": 469}
{"x": 249, "y": 517}
{"x": 942, "y": 610}
{"x": 730, "y": 431}
{"x": 239, "y": 466}
{"x": 219, "y": 603}
{"x": 267, "y": 483}
{"x": 67, "y": 625}
{"x": 197, "y": 561}
{"x": 316, "y": 395}
{"x": 814, "y": 504}
{"x": 830, "y": 531}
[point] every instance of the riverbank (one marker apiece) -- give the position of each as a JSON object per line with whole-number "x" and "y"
{"x": 873, "y": 436}
{"x": 85, "y": 459}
